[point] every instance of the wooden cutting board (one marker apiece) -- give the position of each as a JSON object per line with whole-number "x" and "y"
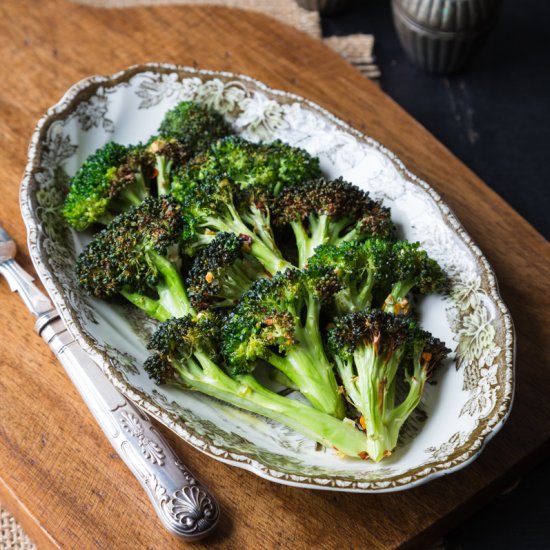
{"x": 58, "y": 474}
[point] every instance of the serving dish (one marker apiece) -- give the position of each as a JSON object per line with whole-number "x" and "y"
{"x": 470, "y": 397}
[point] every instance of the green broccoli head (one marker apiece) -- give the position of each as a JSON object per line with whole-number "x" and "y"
{"x": 278, "y": 320}
{"x": 194, "y": 125}
{"x": 230, "y": 187}
{"x": 110, "y": 181}
{"x": 170, "y": 148}
{"x": 364, "y": 269}
{"x": 136, "y": 255}
{"x": 376, "y": 270}
{"x": 213, "y": 205}
{"x": 170, "y": 155}
{"x": 260, "y": 322}
{"x": 181, "y": 337}
{"x": 413, "y": 270}
{"x": 371, "y": 350}
{"x": 223, "y": 271}
{"x": 269, "y": 317}
{"x": 329, "y": 212}
{"x": 208, "y": 202}
{"x": 384, "y": 334}
{"x": 271, "y": 166}
{"x": 208, "y": 207}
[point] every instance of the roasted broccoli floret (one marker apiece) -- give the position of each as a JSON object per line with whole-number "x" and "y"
{"x": 278, "y": 320}
{"x": 137, "y": 256}
{"x": 329, "y": 212}
{"x": 185, "y": 355}
{"x": 169, "y": 154}
{"x": 413, "y": 270}
{"x": 222, "y": 272}
{"x": 194, "y": 125}
{"x": 271, "y": 166}
{"x": 217, "y": 205}
{"x": 371, "y": 351}
{"x": 365, "y": 269}
{"x": 110, "y": 181}
{"x": 378, "y": 273}
{"x": 230, "y": 188}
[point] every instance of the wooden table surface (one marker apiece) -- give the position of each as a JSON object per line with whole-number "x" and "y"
{"x": 58, "y": 474}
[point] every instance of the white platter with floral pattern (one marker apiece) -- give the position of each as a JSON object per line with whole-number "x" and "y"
{"x": 471, "y": 395}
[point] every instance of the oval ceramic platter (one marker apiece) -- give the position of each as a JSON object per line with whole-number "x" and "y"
{"x": 471, "y": 395}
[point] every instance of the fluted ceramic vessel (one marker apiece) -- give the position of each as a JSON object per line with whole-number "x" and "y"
{"x": 442, "y": 36}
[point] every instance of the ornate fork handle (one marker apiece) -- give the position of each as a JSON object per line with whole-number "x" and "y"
{"x": 20, "y": 281}
{"x": 183, "y": 504}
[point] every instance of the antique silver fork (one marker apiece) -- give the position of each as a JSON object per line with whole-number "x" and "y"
{"x": 183, "y": 504}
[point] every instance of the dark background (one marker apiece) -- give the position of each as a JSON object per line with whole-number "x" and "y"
{"x": 495, "y": 117}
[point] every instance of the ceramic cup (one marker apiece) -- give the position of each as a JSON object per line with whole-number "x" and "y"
{"x": 442, "y": 36}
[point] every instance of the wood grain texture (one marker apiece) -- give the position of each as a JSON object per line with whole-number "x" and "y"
{"x": 57, "y": 472}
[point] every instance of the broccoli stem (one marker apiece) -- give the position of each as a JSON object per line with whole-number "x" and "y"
{"x": 130, "y": 198}
{"x": 345, "y": 302}
{"x": 172, "y": 293}
{"x": 135, "y": 193}
{"x": 394, "y": 303}
{"x": 352, "y": 299}
{"x": 416, "y": 387}
{"x": 172, "y": 300}
{"x": 152, "y": 307}
{"x": 349, "y": 380}
{"x": 244, "y": 391}
{"x": 279, "y": 378}
{"x": 395, "y": 418}
{"x": 307, "y": 366}
{"x": 372, "y": 391}
{"x": 238, "y": 279}
{"x": 321, "y": 230}
{"x": 307, "y": 243}
{"x": 352, "y": 235}
{"x": 304, "y": 372}
{"x": 302, "y": 242}
{"x": 163, "y": 167}
{"x": 270, "y": 259}
{"x": 261, "y": 223}
{"x": 364, "y": 298}
{"x": 268, "y": 255}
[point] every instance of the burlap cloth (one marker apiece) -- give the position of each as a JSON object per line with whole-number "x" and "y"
{"x": 355, "y": 48}
{"x": 11, "y": 535}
